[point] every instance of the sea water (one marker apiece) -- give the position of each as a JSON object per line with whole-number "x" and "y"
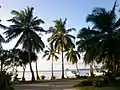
{"x": 57, "y": 73}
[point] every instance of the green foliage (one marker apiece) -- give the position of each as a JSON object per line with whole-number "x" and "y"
{"x": 88, "y": 82}
{"x": 99, "y": 82}
{"x": 23, "y": 56}
{"x": 5, "y": 81}
{"x": 6, "y": 59}
{"x": 24, "y": 22}
{"x": 60, "y": 37}
{"x": 50, "y": 53}
{"x": 72, "y": 55}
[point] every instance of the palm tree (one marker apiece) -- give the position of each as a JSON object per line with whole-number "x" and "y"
{"x": 88, "y": 43}
{"x": 51, "y": 54}
{"x": 73, "y": 56}
{"x": 107, "y": 22}
{"x": 104, "y": 39}
{"x": 25, "y": 25}
{"x": 60, "y": 39}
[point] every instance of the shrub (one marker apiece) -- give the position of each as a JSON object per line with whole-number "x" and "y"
{"x": 98, "y": 82}
{"x": 42, "y": 77}
{"x": 5, "y": 81}
{"x": 54, "y": 77}
{"x": 77, "y": 76}
{"x": 109, "y": 78}
{"x": 88, "y": 82}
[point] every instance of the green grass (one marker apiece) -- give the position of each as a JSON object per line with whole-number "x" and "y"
{"x": 110, "y": 87}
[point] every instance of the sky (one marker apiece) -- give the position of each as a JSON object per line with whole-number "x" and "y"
{"x": 49, "y": 10}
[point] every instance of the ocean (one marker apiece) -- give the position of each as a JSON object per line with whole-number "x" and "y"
{"x": 57, "y": 73}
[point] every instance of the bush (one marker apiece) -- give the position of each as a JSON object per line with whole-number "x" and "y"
{"x": 5, "y": 81}
{"x": 109, "y": 78}
{"x": 42, "y": 77}
{"x": 88, "y": 82}
{"x": 98, "y": 82}
{"x": 77, "y": 76}
{"x": 54, "y": 77}
{"x": 85, "y": 77}
{"x": 91, "y": 82}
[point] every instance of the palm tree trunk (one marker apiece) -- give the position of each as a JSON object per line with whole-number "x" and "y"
{"x": 23, "y": 78}
{"x": 29, "y": 56}
{"x": 37, "y": 72}
{"x": 114, "y": 67}
{"x": 1, "y": 66}
{"x": 52, "y": 69}
{"x": 113, "y": 63}
{"x": 33, "y": 77}
{"x": 91, "y": 69}
{"x": 62, "y": 65}
{"x": 77, "y": 67}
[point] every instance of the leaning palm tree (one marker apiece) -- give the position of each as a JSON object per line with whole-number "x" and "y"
{"x": 73, "y": 56}
{"x": 51, "y": 54}
{"x": 61, "y": 39}
{"x": 25, "y": 25}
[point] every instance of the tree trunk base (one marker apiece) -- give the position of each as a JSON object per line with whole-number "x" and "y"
{"x": 23, "y": 79}
{"x": 63, "y": 77}
{"x": 38, "y": 78}
{"x": 33, "y": 78}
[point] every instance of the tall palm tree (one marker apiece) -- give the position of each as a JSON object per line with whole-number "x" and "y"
{"x": 61, "y": 39}
{"x": 73, "y": 56}
{"x": 51, "y": 54}
{"x": 107, "y": 22}
{"x": 105, "y": 41}
{"x": 25, "y": 25}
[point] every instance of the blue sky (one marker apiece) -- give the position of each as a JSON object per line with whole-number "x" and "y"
{"x": 49, "y": 10}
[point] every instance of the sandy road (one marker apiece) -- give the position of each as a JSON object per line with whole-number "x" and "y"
{"x": 55, "y": 85}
